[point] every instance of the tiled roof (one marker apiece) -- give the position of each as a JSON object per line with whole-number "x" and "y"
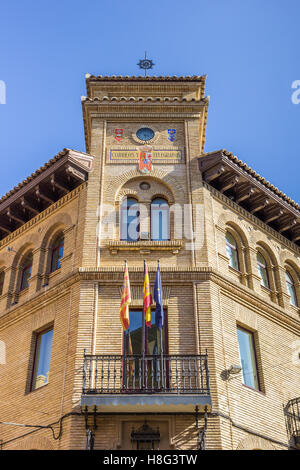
{"x": 258, "y": 177}
{"x": 174, "y": 78}
{"x": 144, "y": 99}
{"x": 35, "y": 174}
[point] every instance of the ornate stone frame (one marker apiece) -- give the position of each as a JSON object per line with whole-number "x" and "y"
{"x": 145, "y": 142}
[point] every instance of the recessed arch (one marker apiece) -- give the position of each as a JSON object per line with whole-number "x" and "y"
{"x": 292, "y": 283}
{"x": 132, "y": 187}
{"x": 267, "y": 267}
{"x": 237, "y": 250}
{"x": 265, "y": 249}
{"x": 233, "y": 227}
{"x": 172, "y": 184}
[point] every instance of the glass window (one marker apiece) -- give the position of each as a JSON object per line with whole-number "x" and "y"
{"x": 2, "y": 276}
{"x": 130, "y": 225}
{"x": 57, "y": 253}
{"x": 232, "y": 252}
{"x": 248, "y": 358}
{"x": 139, "y": 341}
{"x": 42, "y": 359}
{"x": 26, "y": 272}
{"x": 262, "y": 270}
{"x": 291, "y": 289}
{"x": 134, "y": 341}
{"x": 160, "y": 219}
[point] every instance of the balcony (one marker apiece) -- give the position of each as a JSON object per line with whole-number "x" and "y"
{"x": 292, "y": 416}
{"x": 146, "y": 383}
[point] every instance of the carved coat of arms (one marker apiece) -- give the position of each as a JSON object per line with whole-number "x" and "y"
{"x": 172, "y": 134}
{"x": 145, "y": 159}
{"x": 119, "y": 134}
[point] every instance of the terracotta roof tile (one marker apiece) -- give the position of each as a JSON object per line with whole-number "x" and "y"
{"x": 35, "y": 174}
{"x": 260, "y": 178}
{"x": 154, "y": 78}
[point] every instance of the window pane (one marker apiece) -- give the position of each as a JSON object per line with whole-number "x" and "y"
{"x": 42, "y": 359}
{"x": 247, "y": 356}
{"x": 57, "y": 254}
{"x": 133, "y": 336}
{"x": 262, "y": 270}
{"x": 160, "y": 219}
{"x": 130, "y": 220}
{"x": 134, "y": 345}
{"x": 26, "y": 273}
{"x": 231, "y": 250}
{"x": 291, "y": 289}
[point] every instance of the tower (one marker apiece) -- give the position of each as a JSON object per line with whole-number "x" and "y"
{"x": 228, "y": 244}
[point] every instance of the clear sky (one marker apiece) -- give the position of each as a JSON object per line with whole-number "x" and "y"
{"x": 249, "y": 50}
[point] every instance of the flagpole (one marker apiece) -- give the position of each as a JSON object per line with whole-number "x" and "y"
{"x": 143, "y": 335}
{"x": 161, "y": 348}
{"x": 124, "y": 350}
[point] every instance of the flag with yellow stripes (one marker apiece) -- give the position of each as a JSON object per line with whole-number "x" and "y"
{"x": 125, "y": 300}
{"x": 147, "y": 297}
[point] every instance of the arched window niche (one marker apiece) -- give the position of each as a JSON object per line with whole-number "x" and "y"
{"x": 57, "y": 252}
{"x": 26, "y": 271}
{"x": 232, "y": 251}
{"x": 290, "y": 279}
{"x": 160, "y": 219}
{"x": 237, "y": 253}
{"x": 130, "y": 220}
{"x": 263, "y": 271}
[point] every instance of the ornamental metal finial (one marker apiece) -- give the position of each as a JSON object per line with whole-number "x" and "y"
{"x": 145, "y": 64}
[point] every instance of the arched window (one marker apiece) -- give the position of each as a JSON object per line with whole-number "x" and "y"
{"x": 26, "y": 271}
{"x": 263, "y": 270}
{"x": 2, "y": 276}
{"x": 291, "y": 289}
{"x": 57, "y": 252}
{"x": 232, "y": 251}
{"x": 130, "y": 223}
{"x": 160, "y": 219}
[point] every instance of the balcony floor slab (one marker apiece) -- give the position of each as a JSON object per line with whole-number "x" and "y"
{"x": 139, "y": 403}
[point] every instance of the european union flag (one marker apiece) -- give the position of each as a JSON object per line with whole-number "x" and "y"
{"x": 159, "y": 311}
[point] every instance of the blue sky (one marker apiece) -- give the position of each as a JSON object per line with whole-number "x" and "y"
{"x": 248, "y": 49}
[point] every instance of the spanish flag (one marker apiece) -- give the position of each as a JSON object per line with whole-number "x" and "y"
{"x": 147, "y": 297}
{"x": 125, "y": 300}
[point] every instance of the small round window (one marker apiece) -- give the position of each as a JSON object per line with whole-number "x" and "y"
{"x": 145, "y": 133}
{"x": 144, "y": 186}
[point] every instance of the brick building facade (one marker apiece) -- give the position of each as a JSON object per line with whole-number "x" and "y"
{"x": 228, "y": 245}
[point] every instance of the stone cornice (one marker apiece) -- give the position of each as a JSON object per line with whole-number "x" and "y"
{"x": 39, "y": 300}
{"x": 187, "y": 275}
{"x": 171, "y": 276}
{"x": 172, "y": 245}
{"x": 142, "y": 111}
{"x": 134, "y": 84}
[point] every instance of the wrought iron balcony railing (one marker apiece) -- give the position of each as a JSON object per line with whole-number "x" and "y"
{"x": 292, "y": 416}
{"x": 169, "y": 374}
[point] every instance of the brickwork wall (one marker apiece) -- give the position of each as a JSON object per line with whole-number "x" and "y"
{"x": 205, "y": 301}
